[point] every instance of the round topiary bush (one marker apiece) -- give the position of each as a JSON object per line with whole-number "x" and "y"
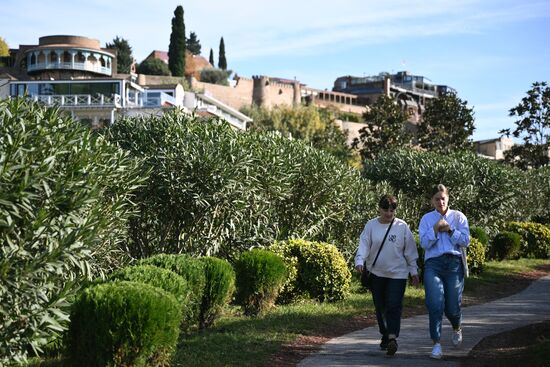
{"x": 506, "y": 245}
{"x": 123, "y": 324}
{"x": 192, "y": 270}
{"x": 218, "y": 289}
{"x": 322, "y": 271}
{"x": 260, "y": 275}
{"x": 480, "y": 234}
{"x": 161, "y": 278}
{"x": 475, "y": 256}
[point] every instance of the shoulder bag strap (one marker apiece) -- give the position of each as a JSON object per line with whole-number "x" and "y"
{"x": 382, "y": 244}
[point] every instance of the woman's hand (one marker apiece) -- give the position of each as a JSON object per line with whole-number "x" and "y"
{"x": 359, "y": 268}
{"x": 415, "y": 280}
{"x": 442, "y": 226}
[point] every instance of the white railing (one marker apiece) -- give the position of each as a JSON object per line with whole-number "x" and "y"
{"x": 86, "y": 66}
{"x": 80, "y": 100}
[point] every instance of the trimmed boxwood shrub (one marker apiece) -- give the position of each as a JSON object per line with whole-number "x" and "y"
{"x": 261, "y": 275}
{"x": 535, "y": 236}
{"x": 322, "y": 271}
{"x": 192, "y": 270}
{"x": 480, "y": 234}
{"x": 123, "y": 324}
{"x": 218, "y": 289}
{"x": 475, "y": 256}
{"x": 506, "y": 245}
{"x": 161, "y": 278}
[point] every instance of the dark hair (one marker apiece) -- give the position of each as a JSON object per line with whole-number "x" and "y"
{"x": 439, "y": 188}
{"x": 387, "y": 201}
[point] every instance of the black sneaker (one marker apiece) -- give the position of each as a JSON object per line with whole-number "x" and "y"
{"x": 384, "y": 343}
{"x": 392, "y": 347}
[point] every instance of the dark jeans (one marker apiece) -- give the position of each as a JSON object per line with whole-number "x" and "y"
{"x": 387, "y": 295}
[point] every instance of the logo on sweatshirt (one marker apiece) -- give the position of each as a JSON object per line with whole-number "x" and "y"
{"x": 392, "y": 238}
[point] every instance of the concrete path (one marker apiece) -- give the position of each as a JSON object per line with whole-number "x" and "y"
{"x": 360, "y": 348}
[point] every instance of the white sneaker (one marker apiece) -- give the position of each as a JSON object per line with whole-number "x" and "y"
{"x": 437, "y": 353}
{"x": 457, "y": 337}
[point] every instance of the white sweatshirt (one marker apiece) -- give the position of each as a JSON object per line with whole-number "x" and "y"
{"x": 398, "y": 256}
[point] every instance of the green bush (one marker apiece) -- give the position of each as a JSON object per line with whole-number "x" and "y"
{"x": 538, "y": 193}
{"x": 322, "y": 271}
{"x": 216, "y": 191}
{"x": 471, "y": 181}
{"x": 192, "y": 270}
{"x": 218, "y": 289}
{"x": 161, "y": 278}
{"x": 65, "y": 198}
{"x": 480, "y": 234}
{"x": 123, "y": 324}
{"x": 535, "y": 236}
{"x": 475, "y": 256}
{"x": 506, "y": 245}
{"x": 260, "y": 276}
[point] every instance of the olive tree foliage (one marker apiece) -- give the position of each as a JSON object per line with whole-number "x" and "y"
{"x": 309, "y": 123}
{"x": 488, "y": 192}
{"x": 386, "y": 129}
{"x": 216, "y": 191}
{"x": 124, "y": 54}
{"x": 152, "y": 66}
{"x": 533, "y": 127}
{"x": 215, "y": 76}
{"x": 65, "y": 197}
{"x": 447, "y": 124}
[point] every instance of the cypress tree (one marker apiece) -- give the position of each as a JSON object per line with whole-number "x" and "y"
{"x": 222, "y": 62}
{"x": 211, "y": 58}
{"x": 176, "y": 49}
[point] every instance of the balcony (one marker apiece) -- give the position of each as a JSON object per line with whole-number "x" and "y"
{"x": 80, "y": 100}
{"x": 84, "y": 66}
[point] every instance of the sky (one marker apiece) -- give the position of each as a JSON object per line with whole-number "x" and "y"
{"x": 490, "y": 51}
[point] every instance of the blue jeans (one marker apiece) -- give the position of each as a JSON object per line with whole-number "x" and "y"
{"x": 387, "y": 295}
{"x": 443, "y": 283}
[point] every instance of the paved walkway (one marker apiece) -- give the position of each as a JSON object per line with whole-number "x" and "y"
{"x": 360, "y": 348}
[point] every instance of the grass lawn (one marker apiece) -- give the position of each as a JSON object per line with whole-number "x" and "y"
{"x": 241, "y": 341}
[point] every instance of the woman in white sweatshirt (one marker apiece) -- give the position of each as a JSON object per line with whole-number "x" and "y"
{"x": 392, "y": 266}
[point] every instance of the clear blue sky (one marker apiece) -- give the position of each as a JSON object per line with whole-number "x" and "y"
{"x": 490, "y": 51}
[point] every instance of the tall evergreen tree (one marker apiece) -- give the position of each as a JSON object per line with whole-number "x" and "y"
{"x": 193, "y": 44}
{"x": 124, "y": 56}
{"x": 211, "y": 58}
{"x": 176, "y": 49}
{"x": 222, "y": 62}
{"x": 447, "y": 124}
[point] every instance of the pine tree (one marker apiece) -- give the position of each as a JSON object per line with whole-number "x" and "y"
{"x": 176, "y": 49}
{"x": 124, "y": 54}
{"x": 222, "y": 62}
{"x": 193, "y": 44}
{"x": 211, "y": 58}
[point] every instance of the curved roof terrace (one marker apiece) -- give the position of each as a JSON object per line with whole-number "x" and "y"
{"x": 69, "y": 53}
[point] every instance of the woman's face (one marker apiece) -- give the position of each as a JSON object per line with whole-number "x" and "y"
{"x": 440, "y": 202}
{"x": 386, "y": 215}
